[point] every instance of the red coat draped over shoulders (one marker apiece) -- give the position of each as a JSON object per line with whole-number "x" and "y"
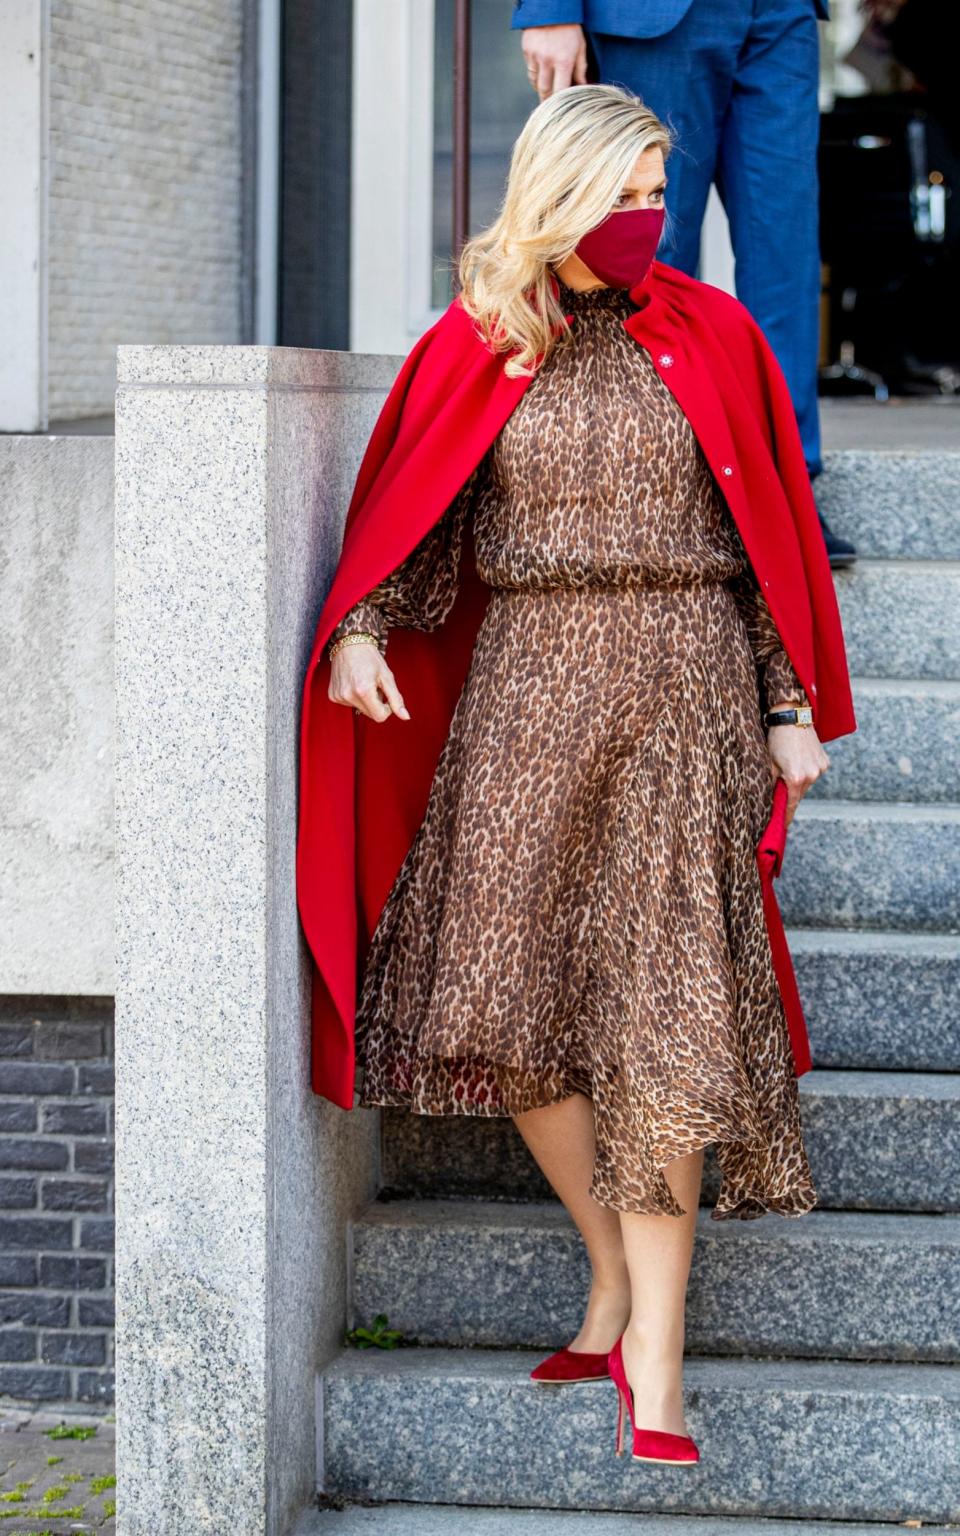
{"x": 364, "y": 785}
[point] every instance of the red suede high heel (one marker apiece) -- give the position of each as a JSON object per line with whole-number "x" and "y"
{"x": 648, "y": 1444}
{"x": 569, "y": 1365}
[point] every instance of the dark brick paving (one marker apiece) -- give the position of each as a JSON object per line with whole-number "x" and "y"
{"x": 76, "y": 1475}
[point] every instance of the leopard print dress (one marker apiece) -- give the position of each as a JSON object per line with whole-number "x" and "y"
{"x": 581, "y": 909}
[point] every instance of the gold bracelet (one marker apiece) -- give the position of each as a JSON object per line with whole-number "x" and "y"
{"x": 356, "y": 637}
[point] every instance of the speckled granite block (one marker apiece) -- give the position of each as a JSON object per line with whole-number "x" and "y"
{"x": 900, "y": 618}
{"x": 894, "y": 504}
{"x": 455, "y": 1520}
{"x": 884, "y": 1140}
{"x": 836, "y": 1284}
{"x": 234, "y": 1181}
{"x": 877, "y": 1141}
{"x": 797, "y": 1438}
{"x": 880, "y": 1000}
{"x": 872, "y": 866}
{"x": 906, "y": 745}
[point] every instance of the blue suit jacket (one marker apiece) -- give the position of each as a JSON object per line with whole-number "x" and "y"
{"x": 621, "y": 18}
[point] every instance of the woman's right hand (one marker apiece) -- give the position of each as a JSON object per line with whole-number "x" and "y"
{"x": 360, "y": 676}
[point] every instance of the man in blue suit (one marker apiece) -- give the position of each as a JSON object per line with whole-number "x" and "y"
{"x": 737, "y": 81}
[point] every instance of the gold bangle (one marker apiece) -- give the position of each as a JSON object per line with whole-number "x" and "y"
{"x": 356, "y": 637}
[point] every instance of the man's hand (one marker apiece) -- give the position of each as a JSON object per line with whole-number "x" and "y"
{"x": 555, "y": 57}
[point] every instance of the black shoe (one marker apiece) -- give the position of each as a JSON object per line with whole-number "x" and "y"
{"x": 839, "y": 551}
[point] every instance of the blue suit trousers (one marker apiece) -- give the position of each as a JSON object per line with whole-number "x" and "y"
{"x": 737, "y": 82}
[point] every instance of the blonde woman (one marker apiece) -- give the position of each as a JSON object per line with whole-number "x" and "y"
{"x": 582, "y": 620}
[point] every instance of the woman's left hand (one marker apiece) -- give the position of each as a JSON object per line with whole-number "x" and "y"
{"x": 797, "y": 757}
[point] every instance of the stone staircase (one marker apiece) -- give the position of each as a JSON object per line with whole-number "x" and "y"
{"x": 822, "y": 1380}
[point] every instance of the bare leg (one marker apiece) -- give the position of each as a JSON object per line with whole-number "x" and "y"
{"x": 561, "y": 1139}
{"x": 658, "y": 1251}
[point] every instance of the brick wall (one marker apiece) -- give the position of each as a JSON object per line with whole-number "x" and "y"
{"x": 56, "y": 1199}
{"x": 146, "y": 164}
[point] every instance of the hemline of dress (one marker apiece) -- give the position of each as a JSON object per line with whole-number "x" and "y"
{"x": 747, "y": 1205}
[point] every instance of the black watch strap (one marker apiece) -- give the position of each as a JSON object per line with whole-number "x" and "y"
{"x": 800, "y": 715}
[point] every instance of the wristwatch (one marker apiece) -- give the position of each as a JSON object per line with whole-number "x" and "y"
{"x": 801, "y": 715}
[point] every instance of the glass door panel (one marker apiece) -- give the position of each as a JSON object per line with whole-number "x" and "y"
{"x": 501, "y": 100}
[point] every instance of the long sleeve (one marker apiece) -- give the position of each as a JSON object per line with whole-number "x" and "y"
{"x": 545, "y": 13}
{"x": 418, "y": 593}
{"x": 779, "y": 681}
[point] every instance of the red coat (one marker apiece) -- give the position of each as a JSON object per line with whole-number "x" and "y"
{"x": 364, "y": 785}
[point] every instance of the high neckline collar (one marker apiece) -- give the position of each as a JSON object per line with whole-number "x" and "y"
{"x": 592, "y": 298}
{"x": 643, "y": 295}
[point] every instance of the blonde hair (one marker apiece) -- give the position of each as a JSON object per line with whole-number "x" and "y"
{"x": 568, "y": 167}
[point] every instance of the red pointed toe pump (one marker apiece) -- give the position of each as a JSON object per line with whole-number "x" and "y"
{"x": 648, "y": 1444}
{"x": 570, "y": 1365}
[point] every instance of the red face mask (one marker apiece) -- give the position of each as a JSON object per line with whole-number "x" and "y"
{"x": 621, "y": 248}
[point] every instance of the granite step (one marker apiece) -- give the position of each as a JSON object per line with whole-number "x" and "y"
{"x": 872, "y": 866}
{"x": 806, "y": 1439}
{"x": 456, "y": 1520}
{"x": 887, "y": 1001}
{"x": 882, "y": 1141}
{"x": 906, "y": 745}
{"x": 894, "y": 504}
{"x": 834, "y": 1284}
{"x": 900, "y": 617}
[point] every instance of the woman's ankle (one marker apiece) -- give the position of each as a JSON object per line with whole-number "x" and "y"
{"x": 654, "y": 1369}
{"x": 604, "y": 1320}
{"x": 652, "y": 1342}
{"x": 610, "y": 1284}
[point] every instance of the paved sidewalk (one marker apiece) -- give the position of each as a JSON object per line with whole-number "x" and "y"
{"x": 56, "y": 1473}
{"x": 931, "y": 425}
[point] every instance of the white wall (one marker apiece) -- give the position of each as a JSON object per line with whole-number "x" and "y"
{"x": 145, "y": 184}
{"x": 56, "y": 715}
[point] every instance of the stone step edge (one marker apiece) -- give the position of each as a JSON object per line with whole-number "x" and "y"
{"x": 848, "y": 450}
{"x": 934, "y": 944}
{"x": 392, "y": 1519}
{"x": 946, "y": 688}
{"x": 840, "y": 1082}
{"x": 941, "y": 812}
{"x": 946, "y": 565}
{"x": 848, "y": 1227}
{"x": 917, "y": 1380}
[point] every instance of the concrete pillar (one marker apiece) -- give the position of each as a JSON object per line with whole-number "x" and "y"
{"x": 234, "y": 1182}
